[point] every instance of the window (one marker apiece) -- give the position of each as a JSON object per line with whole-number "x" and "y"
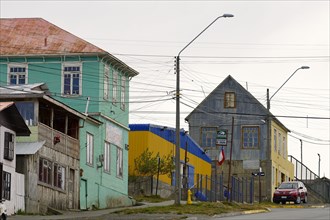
{"x": 26, "y": 109}
{"x": 17, "y": 75}
{"x": 119, "y": 162}
{"x": 9, "y": 146}
{"x": 280, "y": 142}
{"x": 114, "y": 86}
{"x": 250, "y": 136}
{"x": 90, "y": 149}
{"x": 122, "y": 94}
{"x": 72, "y": 80}
{"x": 6, "y": 185}
{"x": 107, "y": 157}
{"x": 106, "y": 83}
{"x": 59, "y": 176}
{"x": 209, "y": 135}
{"x": 284, "y": 146}
{"x": 45, "y": 171}
{"x": 275, "y": 140}
{"x": 230, "y": 100}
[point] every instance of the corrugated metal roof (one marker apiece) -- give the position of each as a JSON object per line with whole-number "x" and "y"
{"x": 35, "y": 88}
{"x": 28, "y": 148}
{"x": 169, "y": 134}
{"x": 36, "y": 36}
{"x": 23, "y": 36}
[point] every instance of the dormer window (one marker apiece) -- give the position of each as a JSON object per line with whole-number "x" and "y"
{"x": 230, "y": 100}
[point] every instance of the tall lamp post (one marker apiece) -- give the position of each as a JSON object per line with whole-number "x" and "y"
{"x": 177, "y": 127}
{"x": 269, "y": 169}
{"x": 319, "y": 164}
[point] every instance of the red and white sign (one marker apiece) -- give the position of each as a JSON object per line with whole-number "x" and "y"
{"x": 221, "y": 157}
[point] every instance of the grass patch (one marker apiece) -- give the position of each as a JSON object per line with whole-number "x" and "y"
{"x": 202, "y": 208}
{"x": 152, "y": 199}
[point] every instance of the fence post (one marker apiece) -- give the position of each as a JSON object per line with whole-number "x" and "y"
{"x": 221, "y": 187}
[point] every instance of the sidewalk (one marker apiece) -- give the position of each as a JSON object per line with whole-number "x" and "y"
{"x": 89, "y": 214}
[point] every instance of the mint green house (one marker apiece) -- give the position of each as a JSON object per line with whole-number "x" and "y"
{"x": 89, "y": 80}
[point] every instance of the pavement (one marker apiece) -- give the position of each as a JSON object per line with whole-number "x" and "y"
{"x": 111, "y": 214}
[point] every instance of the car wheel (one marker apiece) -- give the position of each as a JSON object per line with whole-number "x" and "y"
{"x": 305, "y": 199}
{"x": 298, "y": 200}
{"x": 3, "y": 217}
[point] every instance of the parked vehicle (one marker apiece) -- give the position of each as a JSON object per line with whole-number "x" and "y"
{"x": 294, "y": 191}
{"x": 3, "y": 210}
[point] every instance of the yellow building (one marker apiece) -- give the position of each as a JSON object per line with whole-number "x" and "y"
{"x": 160, "y": 139}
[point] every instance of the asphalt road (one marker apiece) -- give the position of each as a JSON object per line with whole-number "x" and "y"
{"x": 287, "y": 214}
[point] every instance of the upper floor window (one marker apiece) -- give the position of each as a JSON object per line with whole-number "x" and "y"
{"x": 9, "y": 146}
{"x": 89, "y": 149}
{"x": 284, "y": 146}
{"x": 230, "y": 100}
{"x": 280, "y": 142}
{"x": 17, "y": 75}
{"x": 106, "y": 83}
{"x": 114, "y": 86}
{"x": 250, "y": 137}
{"x": 275, "y": 140}
{"x": 26, "y": 109}
{"x": 107, "y": 156}
{"x": 209, "y": 135}
{"x": 123, "y": 93}
{"x": 71, "y": 79}
{"x": 119, "y": 162}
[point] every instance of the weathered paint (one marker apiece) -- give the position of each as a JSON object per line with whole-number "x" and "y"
{"x": 247, "y": 112}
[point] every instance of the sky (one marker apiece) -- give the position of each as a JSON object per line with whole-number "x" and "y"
{"x": 261, "y": 46}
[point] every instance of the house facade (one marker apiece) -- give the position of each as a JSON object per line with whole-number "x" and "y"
{"x": 160, "y": 140}
{"x": 86, "y": 78}
{"x": 230, "y": 117}
{"x": 49, "y": 157}
{"x": 12, "y": 126}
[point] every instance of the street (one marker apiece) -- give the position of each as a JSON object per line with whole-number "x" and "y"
{"x": 294, "y": 213}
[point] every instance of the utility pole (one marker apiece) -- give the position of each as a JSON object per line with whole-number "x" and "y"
{"x": 177, "y": 127}
{"x": 231, "y": 152}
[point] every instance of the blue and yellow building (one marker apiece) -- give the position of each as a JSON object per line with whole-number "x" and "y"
{"x": 161, "y": 139}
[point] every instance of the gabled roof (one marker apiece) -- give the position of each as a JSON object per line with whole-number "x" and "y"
{"x": 169, "y": 135}
{"x": 230, "y": 79}
{"x": 24, "y": 36}
{"x": 36, "y": 36}
{"x": 12, "y": 119}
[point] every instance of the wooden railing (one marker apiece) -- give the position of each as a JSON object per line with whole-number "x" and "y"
{"x": 58, "y": 140}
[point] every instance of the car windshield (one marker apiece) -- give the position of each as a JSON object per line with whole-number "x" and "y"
{"x": 288, "y": 186}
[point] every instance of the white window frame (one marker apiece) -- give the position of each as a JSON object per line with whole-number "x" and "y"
{"x": 284, "y": 146}
{"x": 123, "y": 93}
{"x": 89, "y": 149}
{"x": 75, "y": 64}
{"x": 59, "y": 173}
{"x": 13, "y": 65}
{"x": 250, "y": 131}
{"x": 119, "y": 163}
{"x": 107, "y": 157}
{"x": 106, "y": 83}
{"x": 114, "y": 86}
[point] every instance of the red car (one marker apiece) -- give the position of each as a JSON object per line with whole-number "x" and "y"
{"x": 294, "y": 191}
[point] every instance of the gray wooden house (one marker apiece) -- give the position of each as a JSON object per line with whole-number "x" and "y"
{"x": 231, "y": 117}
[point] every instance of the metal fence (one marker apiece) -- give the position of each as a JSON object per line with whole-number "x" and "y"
{"x": 302, "y": 172}
{"x": 212, "y": 189}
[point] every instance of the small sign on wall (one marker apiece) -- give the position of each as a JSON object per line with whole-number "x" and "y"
{"x": 222, "y": 137}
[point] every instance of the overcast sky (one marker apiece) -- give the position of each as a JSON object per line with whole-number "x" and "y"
{"x": 260, "y": 47}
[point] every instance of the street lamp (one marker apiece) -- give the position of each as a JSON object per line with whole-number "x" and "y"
{"x": 268, "y": 169}
{"x": 319, "y": 164}
{"x": 177, "y": 127}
